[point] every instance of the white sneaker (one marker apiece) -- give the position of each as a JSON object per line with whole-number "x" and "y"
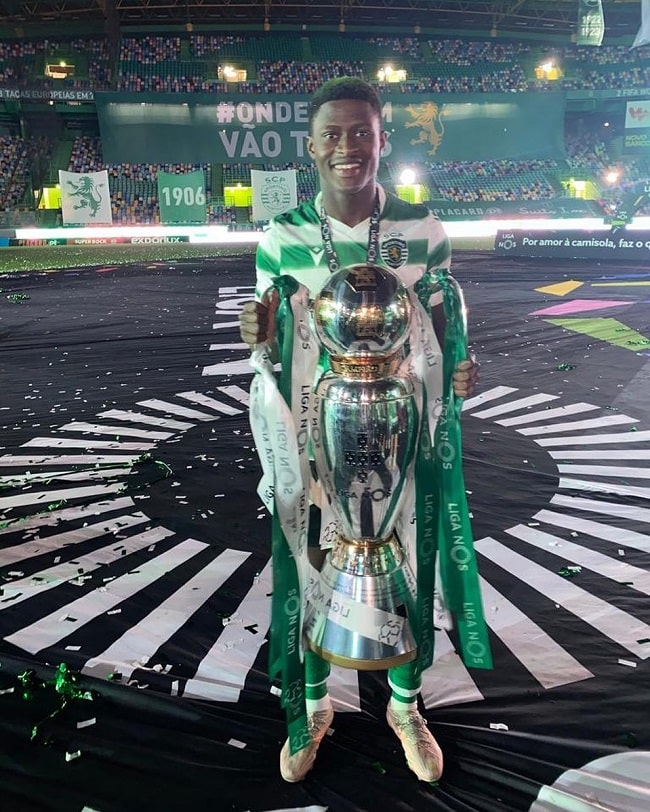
{"x": 295, "y": 767}
{"x": 423, "y": 755}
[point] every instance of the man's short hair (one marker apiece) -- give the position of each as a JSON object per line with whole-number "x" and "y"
{"x": 344, "y": 87}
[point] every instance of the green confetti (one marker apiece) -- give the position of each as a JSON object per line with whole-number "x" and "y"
{"x": 65, "y": 684}
{"x": 377, "y": 766}
{"x": 29, "y": 683}
{"x": 569, "y": 572}
{"x": 17, "y": 298}
{"x": 565, "y": 367}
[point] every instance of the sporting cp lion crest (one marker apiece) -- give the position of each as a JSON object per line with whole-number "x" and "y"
{"x": 427, "y": 117}
{"x": 276, "y": 195}
{"x": 88, "y": 194}
{"x": 394, "y": 251}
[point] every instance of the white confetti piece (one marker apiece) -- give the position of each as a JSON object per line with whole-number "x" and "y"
{"x": 86, "y": 723}
{"x": 628, "y": 663}
{"x": 275, "y": 691}
{"x": 73, "y": 648}
{"x": 72, "y": 755}
{"x": 237, "y": 743}
{"x": 498, "y": 726}
{"x": 173, "y": 690}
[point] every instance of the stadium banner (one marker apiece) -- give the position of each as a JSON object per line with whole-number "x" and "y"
{"x": 562, "y": 208}
{"x": 643, "y": 34}
{"x": 85, "y": 198}
{"x": 236, "y": 128}
{"x": 181, "y": 198}
{"x": 603, "y": 245}
{"x": 31, "y": 242}
{"x": 17, "y": 93}
{"x": 140, "y": 240}
{"x": 273, "y": 193}
{"x": 636, "y": 138}
{"x": 591, "y": 23}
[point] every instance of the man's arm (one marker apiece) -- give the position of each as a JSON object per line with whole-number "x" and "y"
{"x": 257, "y": 322}
{"x": 466, "y": 374}
{"x": 257, "y": 318}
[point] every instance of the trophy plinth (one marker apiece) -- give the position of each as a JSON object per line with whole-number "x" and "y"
{"x": 364, "y": 434}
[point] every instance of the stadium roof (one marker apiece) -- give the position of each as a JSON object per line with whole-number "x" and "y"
{"x": 550, "y": 18}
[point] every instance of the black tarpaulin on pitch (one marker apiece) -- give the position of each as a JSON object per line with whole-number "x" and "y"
{"x": 133, "y": 548}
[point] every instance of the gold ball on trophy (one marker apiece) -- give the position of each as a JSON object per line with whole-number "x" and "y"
{"x": 363, "y": 311}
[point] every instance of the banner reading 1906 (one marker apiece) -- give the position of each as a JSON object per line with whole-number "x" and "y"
{"x": 182, "y": 197}
{"x": 230, "y": 128}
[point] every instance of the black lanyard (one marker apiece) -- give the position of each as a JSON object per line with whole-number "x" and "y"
{"x": 373, "y": 238}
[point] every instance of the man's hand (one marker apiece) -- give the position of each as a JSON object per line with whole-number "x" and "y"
{"x": 465, "y": 378}
{"x": 257, "y": 320}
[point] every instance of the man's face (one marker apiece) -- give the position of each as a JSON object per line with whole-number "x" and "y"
{"x": 345, "y": 144}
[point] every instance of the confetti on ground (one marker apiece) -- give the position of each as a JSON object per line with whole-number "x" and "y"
{"x": 569, "y": 572}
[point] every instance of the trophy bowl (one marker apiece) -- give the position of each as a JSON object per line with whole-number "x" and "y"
{"x": 362, "y": 312}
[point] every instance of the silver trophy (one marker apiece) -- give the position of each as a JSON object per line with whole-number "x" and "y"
{"x": 364, "y": 434}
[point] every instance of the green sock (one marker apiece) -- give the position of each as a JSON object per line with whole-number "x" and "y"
{"x": 404, "y": 688}
{"x": 317, "y": 671}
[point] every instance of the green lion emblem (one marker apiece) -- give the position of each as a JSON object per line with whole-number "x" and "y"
{"x": 426, "y": 117}
{"x": 88, "y": 194}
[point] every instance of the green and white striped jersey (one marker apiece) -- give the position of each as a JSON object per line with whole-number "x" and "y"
{"x": 411, "y": 241}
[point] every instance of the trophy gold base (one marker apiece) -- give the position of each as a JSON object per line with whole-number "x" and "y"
{"x": 357, "y": 612}
{"x": 362, "y": 665}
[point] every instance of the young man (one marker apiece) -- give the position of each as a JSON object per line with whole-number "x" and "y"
{"x": 352, "y": 221}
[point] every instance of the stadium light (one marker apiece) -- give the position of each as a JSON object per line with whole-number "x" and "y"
{"x": 548, "y": 70}
{"x": 390, "y": 74}
{"x": 407, "y": 177}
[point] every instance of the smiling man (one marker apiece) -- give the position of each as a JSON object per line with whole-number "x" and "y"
{"x": 351, "y": 221}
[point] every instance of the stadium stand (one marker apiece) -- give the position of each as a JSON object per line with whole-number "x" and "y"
{"x": 276, "y": 63}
